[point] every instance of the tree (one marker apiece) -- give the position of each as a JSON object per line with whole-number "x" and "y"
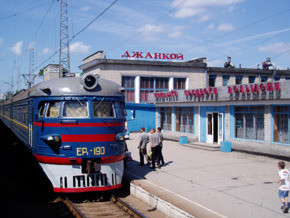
{"x": 40, "y": 73}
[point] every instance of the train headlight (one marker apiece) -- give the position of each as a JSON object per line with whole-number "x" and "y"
{"x": 56, "y": 138}
{"x": 120, "y": 137}
{"x": 90, "y": 81}
{"x": 51, "y": 139}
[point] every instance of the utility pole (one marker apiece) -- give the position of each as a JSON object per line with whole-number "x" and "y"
{"x": 64, "y": 60}
{"x": 31, "y": 76}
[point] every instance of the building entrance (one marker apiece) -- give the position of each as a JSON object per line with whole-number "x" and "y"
{"x": 214, "y": 133}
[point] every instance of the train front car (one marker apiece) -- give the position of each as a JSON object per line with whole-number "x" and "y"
{"x": 79, "y": 133}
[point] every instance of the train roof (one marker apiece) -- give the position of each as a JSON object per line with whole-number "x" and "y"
{"x": 70, "y": 86}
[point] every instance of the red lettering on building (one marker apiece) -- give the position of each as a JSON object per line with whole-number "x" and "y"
{"x": 163, "y": 56}
{"x": 242, "y": 89}
{"x": 200, "y": 92}
{"x": 277, "y": 86}
{"x": 236, "y": 89}
{"x": 247, "y": 88}
{"x": 262, "y": 87}
{"x": 269, "y": 87}
{"x": 167, "y": 94}
{"x": 254, "y": 88}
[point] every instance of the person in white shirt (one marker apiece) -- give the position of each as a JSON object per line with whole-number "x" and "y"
{"x": 284, "y": 186}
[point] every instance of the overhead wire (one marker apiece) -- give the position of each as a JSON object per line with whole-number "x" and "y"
{"x": 78, "y": 33}
{"x": 147, "y": 28}
{"x": 22, "y": 12}
{"x": 250, "y": 46}
{"x": 236, "y": 30}
{"x": 282, "y": 53}
{"x": 41, "y": 23}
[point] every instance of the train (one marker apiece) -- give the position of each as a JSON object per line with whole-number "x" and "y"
{"x": 75, "y": 128}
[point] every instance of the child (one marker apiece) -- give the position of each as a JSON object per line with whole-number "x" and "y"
{"x": 284, "y": 186}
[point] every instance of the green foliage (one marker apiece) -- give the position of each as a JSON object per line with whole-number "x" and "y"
{"x": 40, "y": 73}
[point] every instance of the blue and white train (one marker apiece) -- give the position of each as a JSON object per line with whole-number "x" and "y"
{"x": 75, "y": 128}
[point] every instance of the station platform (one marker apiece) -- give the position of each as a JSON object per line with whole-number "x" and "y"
{"x": 202, "y": 183}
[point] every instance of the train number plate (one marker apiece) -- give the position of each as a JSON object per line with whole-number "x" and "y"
{"x": 94, "y": 151}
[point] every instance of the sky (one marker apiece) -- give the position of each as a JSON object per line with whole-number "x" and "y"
{"x": 247, "y": 30}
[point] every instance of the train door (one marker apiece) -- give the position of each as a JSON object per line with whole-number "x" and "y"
{"x": 30, "y": 124}
{"x": 214, "y": 128}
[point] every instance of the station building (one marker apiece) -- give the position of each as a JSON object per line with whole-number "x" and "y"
{"x": 248, "y": 107}
{"x": 140, "y": 77}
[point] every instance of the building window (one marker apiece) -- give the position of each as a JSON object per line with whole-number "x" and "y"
{"x": 185, "y": 120}
{"x": 150, "y": 85}
{"x": 249, "y": 122}
{"x": 128, "y": 82}
{"x": 264, "y": 79}
{"x": 226, "y": 80}
{"x": 179, "y": 83}
{"x": 211, "y": 80}
{"x": 287, "y": 78}
{"x": 281, "y": 117}
{"x": 165, "y": 118}
{"x": 239, "y": 80}
{"x": 252, "y": 79}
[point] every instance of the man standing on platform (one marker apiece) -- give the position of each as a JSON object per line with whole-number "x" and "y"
{"x": 160, "y": 146}
{"x": 154, "y": 147}
{"x": 143, "y": 139}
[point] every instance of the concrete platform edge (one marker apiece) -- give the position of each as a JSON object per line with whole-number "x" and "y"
{"x": 158, "y": 198}
{"x": 156, "y": 202}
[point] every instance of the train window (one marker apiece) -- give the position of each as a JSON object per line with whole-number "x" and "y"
{"x": 53, "y": 109}
{"x": 75, "y": 109}
{"x": 42, "y": 107}
{"x": 120, "y": 108}
{"x": 103, "y": 109}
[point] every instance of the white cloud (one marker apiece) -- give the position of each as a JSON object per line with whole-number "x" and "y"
{"x": 276, "y": 47}
{"x": 176, "y": 32}
{"x": 85, "y": 8}
{"x": 31, "y": 45}
{"x": 253, "y": 37}
{"x": 210, "y": 26}
{"x": 188, "y": 12}
{"x": 231, "y": 8}
{"x": 151, "y": 29}
{"x": 16, "y": 49}
{"x": 204, "y": 18}
{"x": 150, "y": 32}
{"x": 225, "y": 27}
{"x": 217, "y": 62}
{"x": 79, "y": 47}
{"x": 192, "y": 7}
{"x": 46, "y": 51}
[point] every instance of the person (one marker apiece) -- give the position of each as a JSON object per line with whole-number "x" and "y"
{"x": 126, "y": 157}
{"x": 143, "y": 140}
{"x": 284, "y": 185}
{"x": 154, "y": 147}
{"x": 160, "y": 146}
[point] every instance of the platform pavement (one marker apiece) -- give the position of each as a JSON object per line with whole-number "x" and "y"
{"x": 209, "y": 183}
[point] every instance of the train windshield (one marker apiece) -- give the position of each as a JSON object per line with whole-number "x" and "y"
{"x": 103, "y": 109}
{"x": 42, "y": 107}
{"x": 53, "y": 109}
{"x": 75, "y": 109}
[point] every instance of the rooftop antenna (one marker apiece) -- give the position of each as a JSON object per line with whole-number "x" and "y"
{"x": 64, "y": 60}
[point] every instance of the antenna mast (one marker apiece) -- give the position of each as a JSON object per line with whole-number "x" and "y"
{"x": 31, "y": 76}
{"x": 64, "y": 60}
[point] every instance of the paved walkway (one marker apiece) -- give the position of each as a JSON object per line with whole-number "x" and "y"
{"x": 211, "y": 183}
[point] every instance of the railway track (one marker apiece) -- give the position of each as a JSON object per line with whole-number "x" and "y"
{"x": 114, "y": 207}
